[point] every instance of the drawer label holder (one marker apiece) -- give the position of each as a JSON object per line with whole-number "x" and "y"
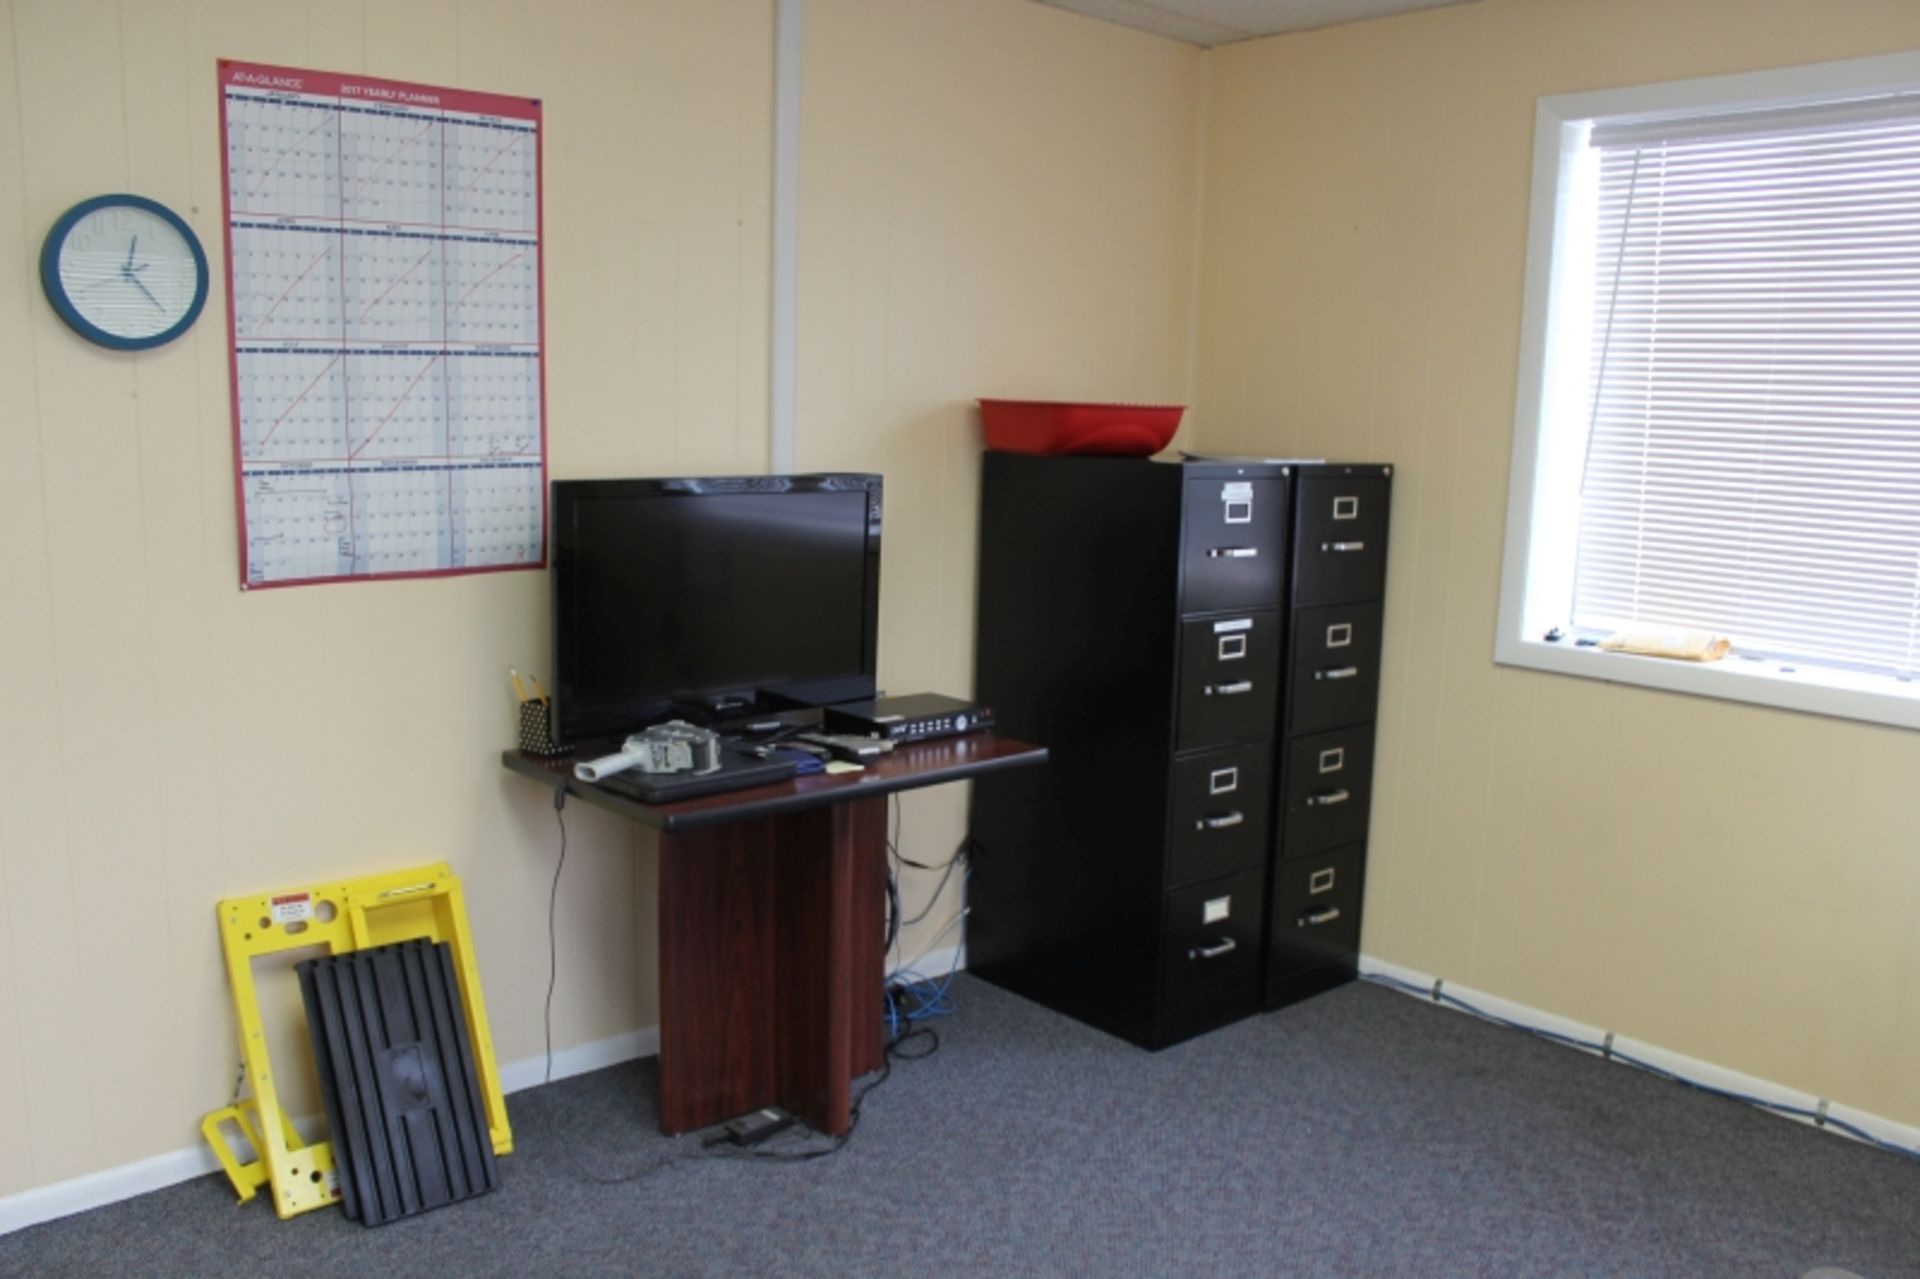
{"x": 1237, "y": 498}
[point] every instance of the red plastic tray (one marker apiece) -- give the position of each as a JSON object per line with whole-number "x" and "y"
{"x": 1050, "y": 426}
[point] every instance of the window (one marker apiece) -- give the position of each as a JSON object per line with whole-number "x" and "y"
{"x": 1718, "y": 424}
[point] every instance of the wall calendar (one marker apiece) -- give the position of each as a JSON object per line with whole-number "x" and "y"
{"x": 386, "y": 323}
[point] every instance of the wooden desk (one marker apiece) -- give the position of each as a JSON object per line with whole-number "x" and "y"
{"x": 770, "y": 940}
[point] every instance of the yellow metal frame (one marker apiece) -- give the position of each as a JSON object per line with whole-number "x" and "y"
{"x": 342, "y": 916}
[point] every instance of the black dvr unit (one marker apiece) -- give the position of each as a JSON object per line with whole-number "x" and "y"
{"x": 913, "y": 718}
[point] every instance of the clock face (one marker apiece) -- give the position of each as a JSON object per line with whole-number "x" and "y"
{"x": 125, "y": 272}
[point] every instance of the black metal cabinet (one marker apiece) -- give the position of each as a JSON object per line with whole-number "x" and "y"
{"x": 1334, "y": 610}
{"x": 1198, "y": 645}
{"x": 1130, "y": 617}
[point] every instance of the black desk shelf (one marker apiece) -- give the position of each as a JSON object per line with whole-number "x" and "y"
{"x": 943, "y": 759}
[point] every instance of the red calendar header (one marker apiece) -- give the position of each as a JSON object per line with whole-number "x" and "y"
{"x": 374, "y": 91}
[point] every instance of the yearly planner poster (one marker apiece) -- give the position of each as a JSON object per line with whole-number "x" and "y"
{"x": 385, "y": 316}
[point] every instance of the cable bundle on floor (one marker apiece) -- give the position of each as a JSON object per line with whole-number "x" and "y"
{"x": 1608, "y": 1051}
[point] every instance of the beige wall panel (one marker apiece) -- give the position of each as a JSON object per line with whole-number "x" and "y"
{"x": 16, "y": 1162}
{"x": 281, "y": 32}
{"x": 281, "y": 736}
{"x": 337, "y": 35}
{"x": 74, "y": 146}
{"x": 723, "y": 228}
{"x": 996, "y": 199}
{"x": 183, "y": 829}
{"x": 36, "y": 953}
{"x": 415, "y": 41}
{"x": 1731, "y": 882}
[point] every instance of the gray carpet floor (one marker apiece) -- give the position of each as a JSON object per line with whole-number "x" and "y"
{"x": 1362, "y": 1133}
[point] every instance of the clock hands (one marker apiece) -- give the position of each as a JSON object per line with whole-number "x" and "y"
{"x": 131, "y": 274}
{"x": 144, "y": 289}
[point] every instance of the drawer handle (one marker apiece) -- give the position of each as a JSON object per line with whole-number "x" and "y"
{"x": 1220, "y": 822}
{"x": 1327, "y": 798}
{"x": 1230, "y": 690}
{"x": 1225, "y": 946}
{"x": 1325, "y": 915}
{"x": 1338, "y": 672}
{"x": 1343, "y": 547}
{"x": 1233, "y": 552}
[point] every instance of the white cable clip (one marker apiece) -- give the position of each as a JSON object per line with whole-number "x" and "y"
{"x": 1437, "y": 984}
{"x": 1820, "y": 1113}
{"x": 1606, "y": 1046}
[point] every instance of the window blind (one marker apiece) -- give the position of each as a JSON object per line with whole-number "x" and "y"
{"x": 1753, "y": 456}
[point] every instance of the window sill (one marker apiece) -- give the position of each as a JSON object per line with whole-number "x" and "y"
{"x": 1876, "y": 699}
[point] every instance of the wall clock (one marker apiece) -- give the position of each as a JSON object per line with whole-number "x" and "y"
{"x": 124, "y": 271}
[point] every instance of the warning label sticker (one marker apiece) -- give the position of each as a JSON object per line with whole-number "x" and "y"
{"x": 292, "y": 908}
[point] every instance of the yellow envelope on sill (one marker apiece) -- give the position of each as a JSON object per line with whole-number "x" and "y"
{"x": 1651, "y": 641}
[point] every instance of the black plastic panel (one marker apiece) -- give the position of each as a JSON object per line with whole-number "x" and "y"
{"x": 1234, "y": 554}
{"x": 1325, "y": 790}
{"x": 1220, "y": 814}
{"x": 396, "y": 1069}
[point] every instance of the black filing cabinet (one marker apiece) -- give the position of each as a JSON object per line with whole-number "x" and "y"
{"x": 1333, "y": 619}
{"x": 1133, "y": 617}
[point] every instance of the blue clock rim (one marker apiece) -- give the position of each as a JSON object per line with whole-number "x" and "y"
{"x": 57, "y": 293}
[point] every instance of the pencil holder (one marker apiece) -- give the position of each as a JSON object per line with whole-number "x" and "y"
{"x": 536, "y": 727}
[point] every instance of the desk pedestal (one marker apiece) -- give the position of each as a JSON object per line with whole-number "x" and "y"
{"x": 770, "y": 964}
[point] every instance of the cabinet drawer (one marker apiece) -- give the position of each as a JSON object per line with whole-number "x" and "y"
{"x": 1221, "y": 813}
{"x": 1229, "y": 678}
{"x": 1234, "y": 550}
{"x": 1316, "y": 909}
{"x": 1210, "y": 957}
{"x": 1325, "y": 789}
{"x": 1335, "y": 675}
{"x": 1340, "y": 536}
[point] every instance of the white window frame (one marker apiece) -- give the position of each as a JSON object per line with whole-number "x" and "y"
{"x": 1536, "y": 575}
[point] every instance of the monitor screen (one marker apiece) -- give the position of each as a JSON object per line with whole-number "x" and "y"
{"x": 728, "y": 594}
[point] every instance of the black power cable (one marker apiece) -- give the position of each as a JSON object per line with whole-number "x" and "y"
{"x": 894, "y": 1051}
{"x": 553, "y": 899}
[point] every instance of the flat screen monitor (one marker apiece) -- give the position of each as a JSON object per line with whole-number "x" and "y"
{"x": 711, "y": 598}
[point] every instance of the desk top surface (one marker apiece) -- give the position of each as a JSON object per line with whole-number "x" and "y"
{"x": 944, "y": 759}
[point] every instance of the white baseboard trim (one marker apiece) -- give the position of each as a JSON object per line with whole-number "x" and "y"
{"x": 96, "y": 1189}
{"x": 936, "y": 964}
{"x": 1820, "y": 1112}
{"x": 531, "y": 1072}
{"x": 111, "y": 1185}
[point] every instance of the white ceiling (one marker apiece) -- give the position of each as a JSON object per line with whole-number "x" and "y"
{"x": 1210, "y": 22}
